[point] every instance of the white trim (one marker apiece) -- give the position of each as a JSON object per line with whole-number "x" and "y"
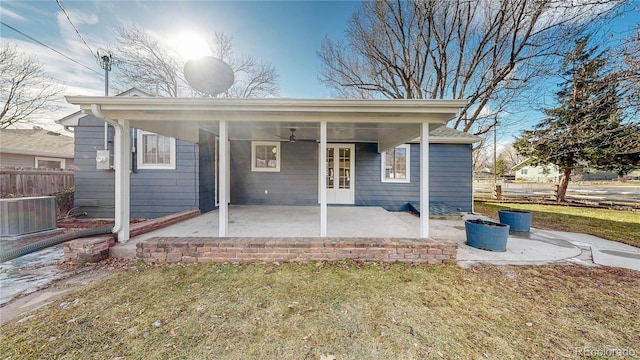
{"x": 383, "y": 162}
{"x": 154, "y": 166}
{"x": 62, "y": 161}
{"x": 255, "y": 168}
{"x": 424, "y": 181}
{"x": 223, "y": 208}
{"x": 123, "y": 151}
{"x": 216, "y": 171}
{"x": 322, "y": 184}
{"x": 337, "y": 195}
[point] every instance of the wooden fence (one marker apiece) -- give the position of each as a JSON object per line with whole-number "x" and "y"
{"x": 34, "y": 182}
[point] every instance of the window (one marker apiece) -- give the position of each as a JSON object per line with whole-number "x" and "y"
{"x": 155, "y": 151}
{"x": 49, "y": 163}
{"x": 265, "y": 156}
{"x": 395, "y": 164}
{"x": 523, "y": 171}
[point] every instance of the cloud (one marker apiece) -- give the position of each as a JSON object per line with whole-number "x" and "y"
{"x": 6, "y": 13}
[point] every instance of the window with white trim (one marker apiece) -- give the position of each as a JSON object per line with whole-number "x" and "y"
{"x": 265, "y": 156}
{"x": 50, "y": 163}
{"x": 155, "y": 151}
{"x": 396, "y": 164}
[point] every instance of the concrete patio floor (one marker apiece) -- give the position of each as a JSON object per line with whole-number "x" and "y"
{"x": 535, "y": 247}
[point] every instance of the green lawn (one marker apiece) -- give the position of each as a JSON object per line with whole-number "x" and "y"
{"x": 617, "y": 225}
{"x": 349, "y": 311}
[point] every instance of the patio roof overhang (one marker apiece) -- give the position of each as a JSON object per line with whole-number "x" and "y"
{"x": 386, "y": 122}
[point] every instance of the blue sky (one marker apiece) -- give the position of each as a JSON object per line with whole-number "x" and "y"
{"x": 284, "y": 33}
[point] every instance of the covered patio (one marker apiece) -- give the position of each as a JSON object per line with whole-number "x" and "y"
{"x": 259, "y": 233}
{"x": 387, "y": 123}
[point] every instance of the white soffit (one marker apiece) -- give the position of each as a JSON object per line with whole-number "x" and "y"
{"x": 182, "y": 117}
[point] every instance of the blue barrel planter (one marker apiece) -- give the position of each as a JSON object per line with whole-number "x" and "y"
{"x": 518, "y": 220}
{"x": 486, "y": 235}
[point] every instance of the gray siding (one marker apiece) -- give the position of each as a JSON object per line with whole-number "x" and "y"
{"x": 154, "y": 193}
{"x": 295, "y": 184}
{"x": 17, "y": 161}
{"x": 450, "y": 174}
{"x": 449, "y": 178}
{"x": 28, "y": 161}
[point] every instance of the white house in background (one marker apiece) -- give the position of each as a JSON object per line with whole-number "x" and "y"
{"x": 35, "y": 148}
{"x": 525, "y": 171}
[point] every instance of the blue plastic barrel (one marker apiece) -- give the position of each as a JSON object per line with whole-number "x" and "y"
{"x": 486, "y": 235}
{"x": 518, "y": 220}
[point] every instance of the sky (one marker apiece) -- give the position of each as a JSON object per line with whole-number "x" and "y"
{"x": 285, "y": 33}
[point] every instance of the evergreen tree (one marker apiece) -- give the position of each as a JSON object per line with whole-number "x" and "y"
{"x": 585, "y": 128}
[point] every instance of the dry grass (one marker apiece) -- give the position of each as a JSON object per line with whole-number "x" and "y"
{"x": 617, "y": 225}
{"x": 345, "y": 310}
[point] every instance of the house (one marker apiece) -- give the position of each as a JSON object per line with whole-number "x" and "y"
{"x": 35, "y": 148}
{"x": 173, "y": 154}
{"x": 525, "y": 171}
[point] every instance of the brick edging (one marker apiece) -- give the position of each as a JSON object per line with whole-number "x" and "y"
{"x": 248, "y": 250}
{"x": 157, "y": 223}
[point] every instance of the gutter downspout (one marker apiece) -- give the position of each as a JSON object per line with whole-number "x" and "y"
{"x": 122, "y": 160}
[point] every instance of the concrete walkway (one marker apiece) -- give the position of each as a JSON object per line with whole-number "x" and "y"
{"x": 536, "y": 247}
{"x": 539, "y": 247}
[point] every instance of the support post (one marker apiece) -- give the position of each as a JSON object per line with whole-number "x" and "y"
{"x": 122, "y": 164}
{"x": 424, "y": 180}
{"x": 223, "y": 206}
{"x": 323, "y": 179}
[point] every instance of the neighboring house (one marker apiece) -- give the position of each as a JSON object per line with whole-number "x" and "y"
{"x": 551, "y": 173}
{"x": 35, "y": 148}
{"x": 525, "y": 171}
{"x": 172, "y": 157}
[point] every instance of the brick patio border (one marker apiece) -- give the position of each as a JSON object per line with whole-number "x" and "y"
{"x": 250, "y": 250}
{"x": 94, "y": 249}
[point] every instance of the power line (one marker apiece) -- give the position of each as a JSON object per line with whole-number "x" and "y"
{"x": 48, "y": 47}
{"x": 75, "y": 28}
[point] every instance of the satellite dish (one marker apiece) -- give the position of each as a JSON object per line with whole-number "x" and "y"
{"x": 208, "y": 75}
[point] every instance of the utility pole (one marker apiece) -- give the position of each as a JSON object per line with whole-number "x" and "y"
{"x": 104, "y": 59}
{"x": 495, "y": 155}
{"x": 497, "y": 189}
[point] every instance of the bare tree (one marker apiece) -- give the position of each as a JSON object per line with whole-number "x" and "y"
{"x": 25, "y": 90}
{"x": 480, "y": 157}
{"x": 484, "y": 51}
{"x": 253, "y": 78}
{"x": 145, "y": 62}
{"x": 509, "y": 158}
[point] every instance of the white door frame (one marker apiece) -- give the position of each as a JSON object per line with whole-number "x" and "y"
{"x": 336, "y": 195}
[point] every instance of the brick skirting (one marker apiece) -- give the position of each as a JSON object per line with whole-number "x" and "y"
{"x": 94, "y": 249}
{"x": 247, "y": 250}
{"x": 88, "y": 250}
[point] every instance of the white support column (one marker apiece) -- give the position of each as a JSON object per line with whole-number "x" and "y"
{"x": 424, "y": 180}
{"x": 323, "y": 179}
{"x": 223, "y": 200}
{"x": 122, "y": 162}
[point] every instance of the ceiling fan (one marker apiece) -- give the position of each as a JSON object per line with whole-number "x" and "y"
{"x": 292, "y": 138}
